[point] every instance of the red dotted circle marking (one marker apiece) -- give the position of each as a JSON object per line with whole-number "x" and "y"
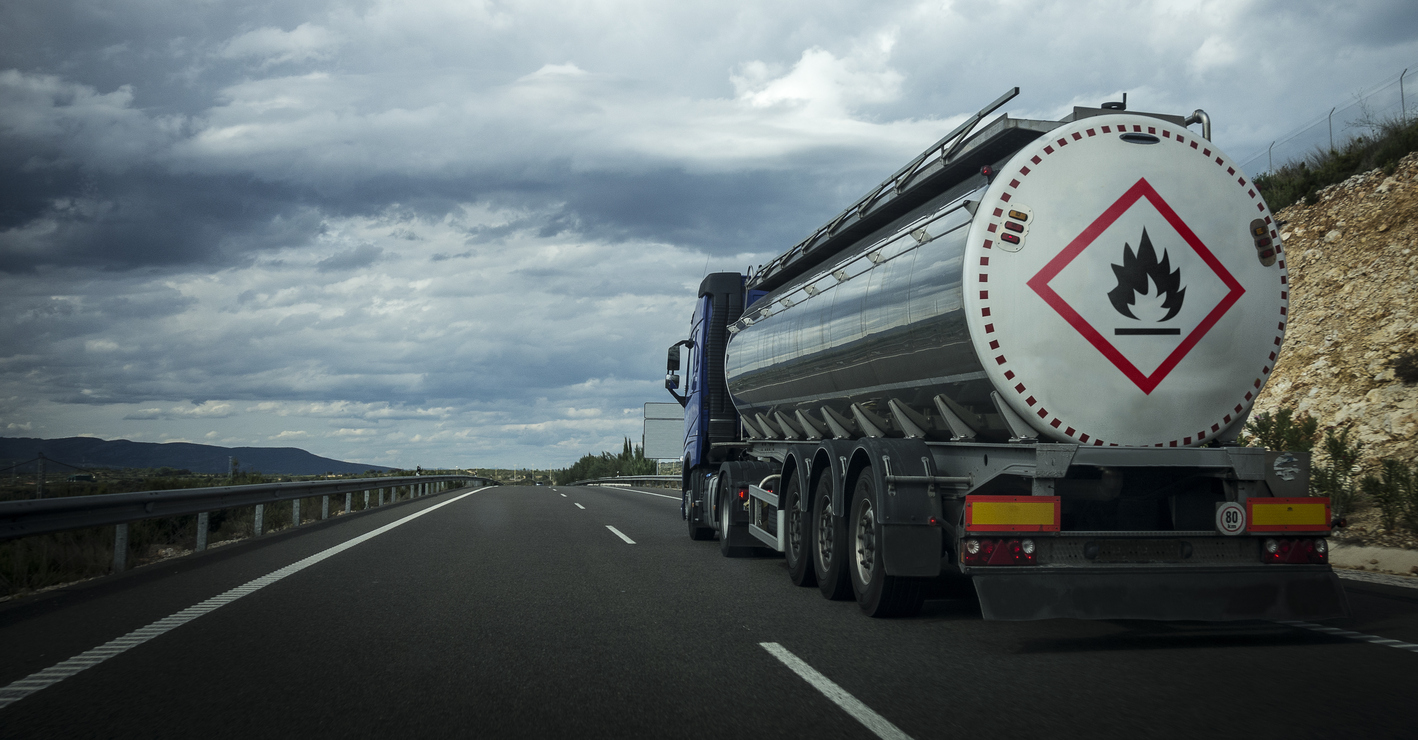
{"x": 993, "y": 227}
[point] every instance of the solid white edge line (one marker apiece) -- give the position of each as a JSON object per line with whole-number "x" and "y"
{"x": 89, "y": 658}
{"x": 621, "y": 535}
{"x": 647, "y": 493}
{"x": 1351, "y": 635}
{"x": 849, "y": 704}
{"x": 579, "y": 506}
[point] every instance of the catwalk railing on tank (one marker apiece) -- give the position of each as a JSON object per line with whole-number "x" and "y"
{"x": 42, "y": 516}
{"x": 633, "y": 481}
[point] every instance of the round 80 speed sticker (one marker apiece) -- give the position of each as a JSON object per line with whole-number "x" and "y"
{"x": 1230, "y": 518}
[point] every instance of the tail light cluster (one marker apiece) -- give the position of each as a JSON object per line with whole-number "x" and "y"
{"x": 1302, "y": 550}
{"x": 979, "y": 551}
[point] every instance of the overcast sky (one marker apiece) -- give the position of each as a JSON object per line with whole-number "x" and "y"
{"x": 462, "y": 234}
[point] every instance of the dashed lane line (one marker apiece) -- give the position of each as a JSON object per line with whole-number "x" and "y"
{"x": 621, "y": 535}
{"x": 1358, "y": 636}
{"x": 64, "y": 669}
{"x": 563, "y": 495}
{"x": 579, "y": 506}
{"x": 878, "y": 724}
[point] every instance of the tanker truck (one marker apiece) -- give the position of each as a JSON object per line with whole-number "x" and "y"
{"x": 1019, "y": 364}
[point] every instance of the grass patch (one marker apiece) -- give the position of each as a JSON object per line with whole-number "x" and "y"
{"x": 1387, "y": 142}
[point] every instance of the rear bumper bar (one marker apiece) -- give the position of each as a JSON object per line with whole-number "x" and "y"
{"x": 1204, "y": 594}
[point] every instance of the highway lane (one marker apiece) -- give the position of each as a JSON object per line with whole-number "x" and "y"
{"x": 518, "y": 612}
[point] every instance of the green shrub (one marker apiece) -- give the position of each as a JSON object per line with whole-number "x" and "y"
{"x": 1395, "y": 493}
{"x": 1283, "y": 432}
{"x": 1336, "y": 479}
{"x": 1387, "y": 142}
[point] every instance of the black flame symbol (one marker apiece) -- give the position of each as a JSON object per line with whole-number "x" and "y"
{"x": 1133, "y": 274}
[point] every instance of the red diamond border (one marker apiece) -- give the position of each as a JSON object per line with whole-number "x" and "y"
{"x": 1040, "y": 284}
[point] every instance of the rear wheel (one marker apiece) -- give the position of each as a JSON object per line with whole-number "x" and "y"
{"x": 796, "y": 542}
{"x": 878, "y": 594}
{"x": 828, "y": 543}
{"x": 726, "y": 504}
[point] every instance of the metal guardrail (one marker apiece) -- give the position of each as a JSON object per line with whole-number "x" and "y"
{"x": 657, "y": 481}
{"x": 42, "y": 516}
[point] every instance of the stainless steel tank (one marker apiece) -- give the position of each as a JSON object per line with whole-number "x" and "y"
{"x": 1119, "y": 282}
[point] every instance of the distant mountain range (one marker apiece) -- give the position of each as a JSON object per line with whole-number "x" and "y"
{"x": 88, "y": 452}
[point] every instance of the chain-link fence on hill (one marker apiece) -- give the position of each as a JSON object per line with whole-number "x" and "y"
{"x": 1384, "y": 101}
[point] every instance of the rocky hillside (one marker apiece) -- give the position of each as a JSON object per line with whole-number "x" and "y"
{"x": 1353, "y": 260}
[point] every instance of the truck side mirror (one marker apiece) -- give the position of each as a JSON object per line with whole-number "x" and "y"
{"x": 671, "y": 381}
{"x": 672, "y": 364}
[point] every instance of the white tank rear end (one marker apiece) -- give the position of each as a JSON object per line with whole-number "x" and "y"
{"x": 1124, "y": 285}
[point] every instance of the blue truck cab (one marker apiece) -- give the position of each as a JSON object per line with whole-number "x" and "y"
{"x": 711, "y": 424}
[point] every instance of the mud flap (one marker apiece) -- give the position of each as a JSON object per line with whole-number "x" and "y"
{"x": 1214, "y": 595}
{"x": 912, "y": 551}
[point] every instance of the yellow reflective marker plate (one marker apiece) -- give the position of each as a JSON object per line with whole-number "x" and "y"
{"x": 1012, "y": 513}
{"x": 1304, "y": 514}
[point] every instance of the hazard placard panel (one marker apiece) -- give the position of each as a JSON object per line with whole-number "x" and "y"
{"x": 1306, "y": 514}
{"x": 1012, "y": 513}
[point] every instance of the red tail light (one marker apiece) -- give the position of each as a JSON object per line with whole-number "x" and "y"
{"x": 1302, "y": 551}
{"x": 998, "y": 552}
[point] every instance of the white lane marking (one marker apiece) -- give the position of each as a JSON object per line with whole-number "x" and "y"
{"x": 620, "y": 534}
{"x": 1358, "y": 636}
{"x": 849, "y": 704}
{"x": 64, "y": 669}
{"x": 563, "y": 495}
{"x": 642, "y": 493}
{"x": 579, "y": 506}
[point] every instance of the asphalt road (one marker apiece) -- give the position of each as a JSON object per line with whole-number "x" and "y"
{"x": 514, "y": 612}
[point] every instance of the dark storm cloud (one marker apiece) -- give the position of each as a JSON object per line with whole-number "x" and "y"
{"x": 470, "y": 227}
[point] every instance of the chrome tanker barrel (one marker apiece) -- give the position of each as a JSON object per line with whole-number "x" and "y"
{"x": 1118, "y": 282}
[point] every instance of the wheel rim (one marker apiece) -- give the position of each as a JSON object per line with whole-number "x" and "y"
{"x": 866, "y": 542}
{"x": 824, "y": 532}
{"x": 795, "y": 527}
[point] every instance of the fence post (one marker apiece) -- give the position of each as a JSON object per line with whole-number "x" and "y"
{"x": 295, "y": 512}
{"x": 260, "y": 513}
{"x": 1269, "y": 161}
{"x": 201, "y": 531}
{"x": 120, "y": 547}
{"x": 1331, "y": 129}
{"x": 325, "y": 507}
{"x": 1402, "y": 101}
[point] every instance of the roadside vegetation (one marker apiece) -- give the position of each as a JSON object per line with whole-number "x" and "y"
{"x": 1384, "y": 144}
{"x": 1390, "y": 487}
{"x": 630, "y": 461}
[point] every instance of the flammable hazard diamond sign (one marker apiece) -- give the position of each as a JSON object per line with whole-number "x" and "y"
{"x": 1139, "y": 285}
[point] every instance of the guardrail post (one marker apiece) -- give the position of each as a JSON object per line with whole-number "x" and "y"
{"x": 347, "y": 501}
{"x": 120, "y": 547}
{"x": 381, "y": 497}
{"x": 256, "y": 525}
{"x": 295, "y": 512}
{"x": 366, "y": 499}
{"x": 201, "y": 531}
{"x": 325, "y": 507}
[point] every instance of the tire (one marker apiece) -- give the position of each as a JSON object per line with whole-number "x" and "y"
{"x": 726, "y": 502}
{"x": 697, "y": 531}
{"x": 878, "y": 594}
{"x": 828, "y": 544}
{"x": 796, "y": 539}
